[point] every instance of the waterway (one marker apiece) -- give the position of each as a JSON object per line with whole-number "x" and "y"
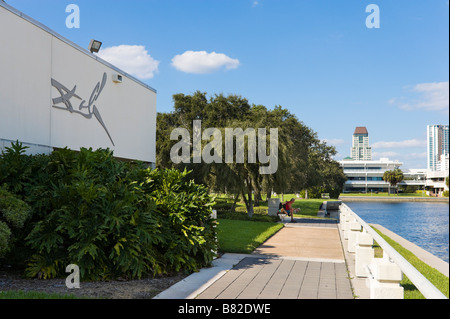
{"x": 422, "y": 223}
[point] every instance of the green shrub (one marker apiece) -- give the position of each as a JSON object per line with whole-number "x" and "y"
{"x": 445, "y": 194}
{"x": 316, "y": 192}
{"x": 15, "y": 168}
{"x": 185, "y": 216}
{"x": 256, "y": 210}
{"x": 5, "y": 234}
{"x": 13, "y": 215}
{"x": 223, "y": 206}
{"x": 260, "y": 215}
{"x": 109, "y": 217}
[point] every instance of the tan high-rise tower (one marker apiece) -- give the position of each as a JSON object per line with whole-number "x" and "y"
{"x": 360, "y": 145}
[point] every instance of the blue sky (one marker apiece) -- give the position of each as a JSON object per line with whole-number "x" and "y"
{"x": 316, "y": 58}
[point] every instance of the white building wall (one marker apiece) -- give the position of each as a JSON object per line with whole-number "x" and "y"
{"x": 33, "y": 57}
{"x": 365, "y": 176}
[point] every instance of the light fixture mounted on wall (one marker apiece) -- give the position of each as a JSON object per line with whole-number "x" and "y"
{"x": 117, "y": 78}
{"x": 94, "y": 46}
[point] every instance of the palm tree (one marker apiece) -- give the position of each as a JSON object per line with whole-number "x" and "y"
{"x": 393, "y": 178}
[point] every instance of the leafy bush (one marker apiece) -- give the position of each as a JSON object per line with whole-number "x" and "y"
{"x": 256, "y": 210}
{"x": 185, "y": 210}
{"x": 15, "y": 167}
{"x": 5, "y": 234}
{"x": 223, "y": 206}
{"x": 13, "y": 214}
{"x": 316, "y": 192}
{"x": 259, "y": 215}
{"x": 109, "y": 217}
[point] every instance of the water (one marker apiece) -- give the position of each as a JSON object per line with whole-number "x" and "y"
{"x": 424, "y": 224}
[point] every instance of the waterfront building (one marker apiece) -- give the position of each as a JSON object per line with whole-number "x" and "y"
{"x": 436, "y": 182}
{"x": 367, "y": 176}
{"x": 437, "y": 159}
{"x": 437, "y": 147}
{"x": 433, "y": 182}
{"x": 56, "y": 94}
{"x": 361, "y": 151}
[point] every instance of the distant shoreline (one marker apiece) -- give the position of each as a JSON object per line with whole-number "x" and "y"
{"x": 393, "y": 199}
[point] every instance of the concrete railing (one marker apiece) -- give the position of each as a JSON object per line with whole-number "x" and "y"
{"x": 383, "y": 275}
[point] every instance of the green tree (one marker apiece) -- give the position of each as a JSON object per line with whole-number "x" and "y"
{"x": 393, "y": 178}
{"x": 303, "y": 160}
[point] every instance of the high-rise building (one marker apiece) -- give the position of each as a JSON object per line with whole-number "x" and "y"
{"x": 437, "y": 146}
{"x": 360, "y": 145}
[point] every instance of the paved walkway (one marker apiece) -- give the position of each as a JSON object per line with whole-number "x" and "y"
{"x": 304, "y": 260}
{"x": 268, "y": 278}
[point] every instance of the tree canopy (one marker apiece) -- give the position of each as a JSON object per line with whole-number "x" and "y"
{"x": 393, "y": 177}
{"x": 303, "y": 161}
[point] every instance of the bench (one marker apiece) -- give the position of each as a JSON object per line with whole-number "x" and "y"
{"x": 282, "y": 216}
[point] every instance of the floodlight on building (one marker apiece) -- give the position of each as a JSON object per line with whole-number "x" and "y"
{"x": 95, "y": 46}
{"x": 117, "y": 78}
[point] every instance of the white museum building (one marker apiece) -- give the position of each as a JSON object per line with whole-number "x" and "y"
{"x": 56, "y": 94}
{"x": 367, "y": 176}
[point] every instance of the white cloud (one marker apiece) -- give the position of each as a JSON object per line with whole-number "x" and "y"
{"x": 401, "y": 144}
{"x": 408, "y": 151}
{"x": 255, "y": 3}
{"x": 334, "y": 141}
{"x": 133, "y": 59}
{"x": 385, "y": 154}
{"x": 201, "y": 62}
{"x": 431, "y": 97}
{"x": 400, "y": 156}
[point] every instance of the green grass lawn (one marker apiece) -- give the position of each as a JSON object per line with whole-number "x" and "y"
{"x": 308, "y": 207}
{"x": 241, "y": 236}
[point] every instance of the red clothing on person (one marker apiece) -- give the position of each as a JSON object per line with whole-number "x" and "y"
{"x": 288, "y": 205}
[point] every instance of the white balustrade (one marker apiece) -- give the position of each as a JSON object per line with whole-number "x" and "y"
{"x": 354, "y": 231}
{"x": 383, "y": 275}
{"x": 384, "y": 279}
{"x": 364, "y": 254}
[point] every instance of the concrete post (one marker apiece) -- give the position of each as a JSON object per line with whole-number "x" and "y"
{"x": 364, "y": 254}
{"x": 273, "y": 205}
{"x": 354, "y": 231}
{"x": 384, "y": 279}
{"x": 342, "y": 217}
{"x": 348, "y": 219}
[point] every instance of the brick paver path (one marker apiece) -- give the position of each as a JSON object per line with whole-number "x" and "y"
{"x": 302, "y": 261}
{"x": 256, "y": 278}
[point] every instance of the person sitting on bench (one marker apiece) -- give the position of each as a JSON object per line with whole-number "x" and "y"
{"x": 286, "y": 208}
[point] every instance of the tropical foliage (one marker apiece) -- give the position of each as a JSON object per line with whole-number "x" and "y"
{"x": 111, "y": 218}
